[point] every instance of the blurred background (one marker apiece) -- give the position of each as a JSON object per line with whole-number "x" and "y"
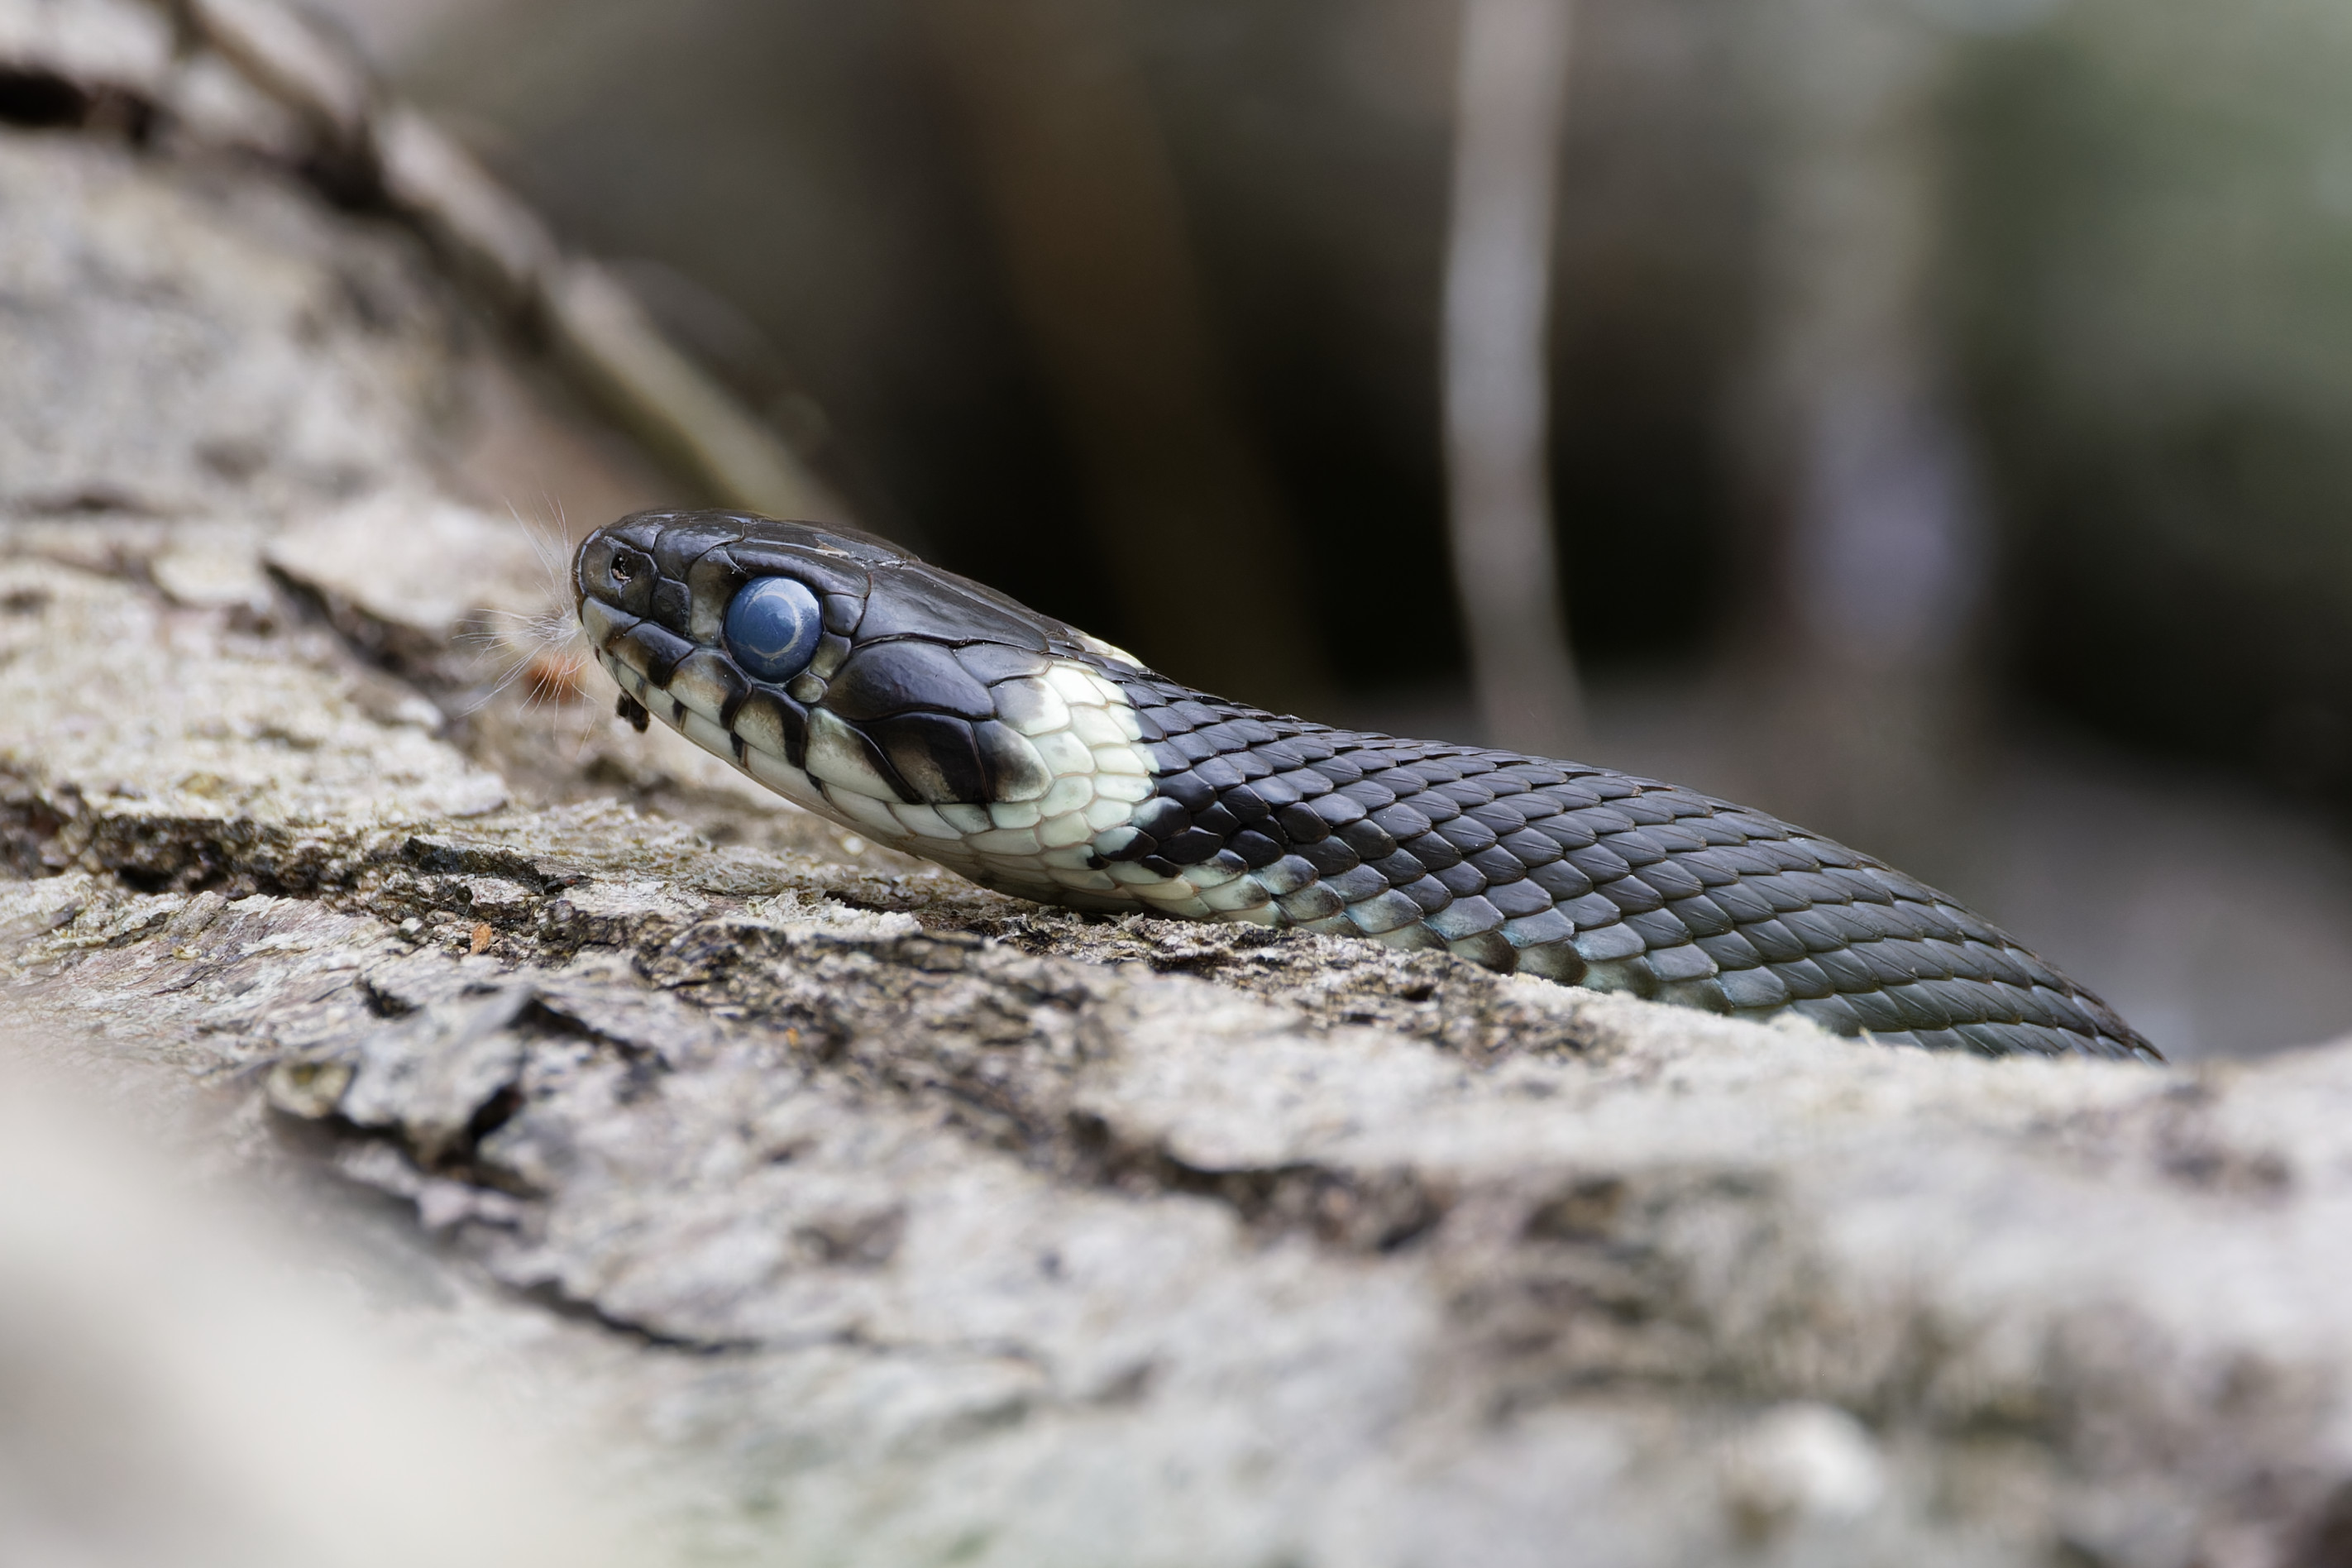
{"x": 1944, "y": 403}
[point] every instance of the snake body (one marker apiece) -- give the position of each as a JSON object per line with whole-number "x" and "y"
{"x": 941, "y": 717}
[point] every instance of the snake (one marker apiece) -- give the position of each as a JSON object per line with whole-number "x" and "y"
{"x": 933, "y": 714}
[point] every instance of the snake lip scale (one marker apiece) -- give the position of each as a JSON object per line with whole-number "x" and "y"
{"x": 936, "y": 716}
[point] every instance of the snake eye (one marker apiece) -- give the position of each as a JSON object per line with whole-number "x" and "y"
{"x": 772, "y": 628}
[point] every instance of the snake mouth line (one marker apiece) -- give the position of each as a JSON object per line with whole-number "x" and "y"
{"x": 938, "y": 717}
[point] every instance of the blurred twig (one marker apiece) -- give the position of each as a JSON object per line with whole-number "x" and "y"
{"x": 1070, "y": 161}
{"x": 1511, "y": 93}
{"x": 369, "y": 142}
{"x": 1861, "y": 647}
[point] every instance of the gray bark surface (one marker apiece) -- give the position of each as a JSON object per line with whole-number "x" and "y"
{"x": 851, "y": 1215}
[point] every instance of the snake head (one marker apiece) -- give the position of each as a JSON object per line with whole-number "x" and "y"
{"x": 860, "y": 681}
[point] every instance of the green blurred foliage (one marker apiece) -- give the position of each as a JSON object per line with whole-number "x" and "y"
{"x": 2153, "y": 260}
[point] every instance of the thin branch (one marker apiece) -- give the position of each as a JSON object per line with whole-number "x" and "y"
{"x": 1511, "y": 91}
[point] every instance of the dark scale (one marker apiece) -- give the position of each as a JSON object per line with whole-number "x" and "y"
{"x": 1590, "y": 878}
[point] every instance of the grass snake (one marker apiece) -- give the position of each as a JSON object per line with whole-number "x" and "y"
{"x": 938, "y": 717}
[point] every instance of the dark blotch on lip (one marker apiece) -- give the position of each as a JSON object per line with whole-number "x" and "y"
{"x": 651, "y": 651}
{"x": 937, "y": 755}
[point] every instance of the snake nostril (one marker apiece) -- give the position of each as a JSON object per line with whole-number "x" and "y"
{"x": 623, "y": 569}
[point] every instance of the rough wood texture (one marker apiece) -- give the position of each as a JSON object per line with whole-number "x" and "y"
{"x": 851, "y": 1215}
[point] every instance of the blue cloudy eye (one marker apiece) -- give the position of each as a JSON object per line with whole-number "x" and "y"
{"x": 772, "y": 628}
